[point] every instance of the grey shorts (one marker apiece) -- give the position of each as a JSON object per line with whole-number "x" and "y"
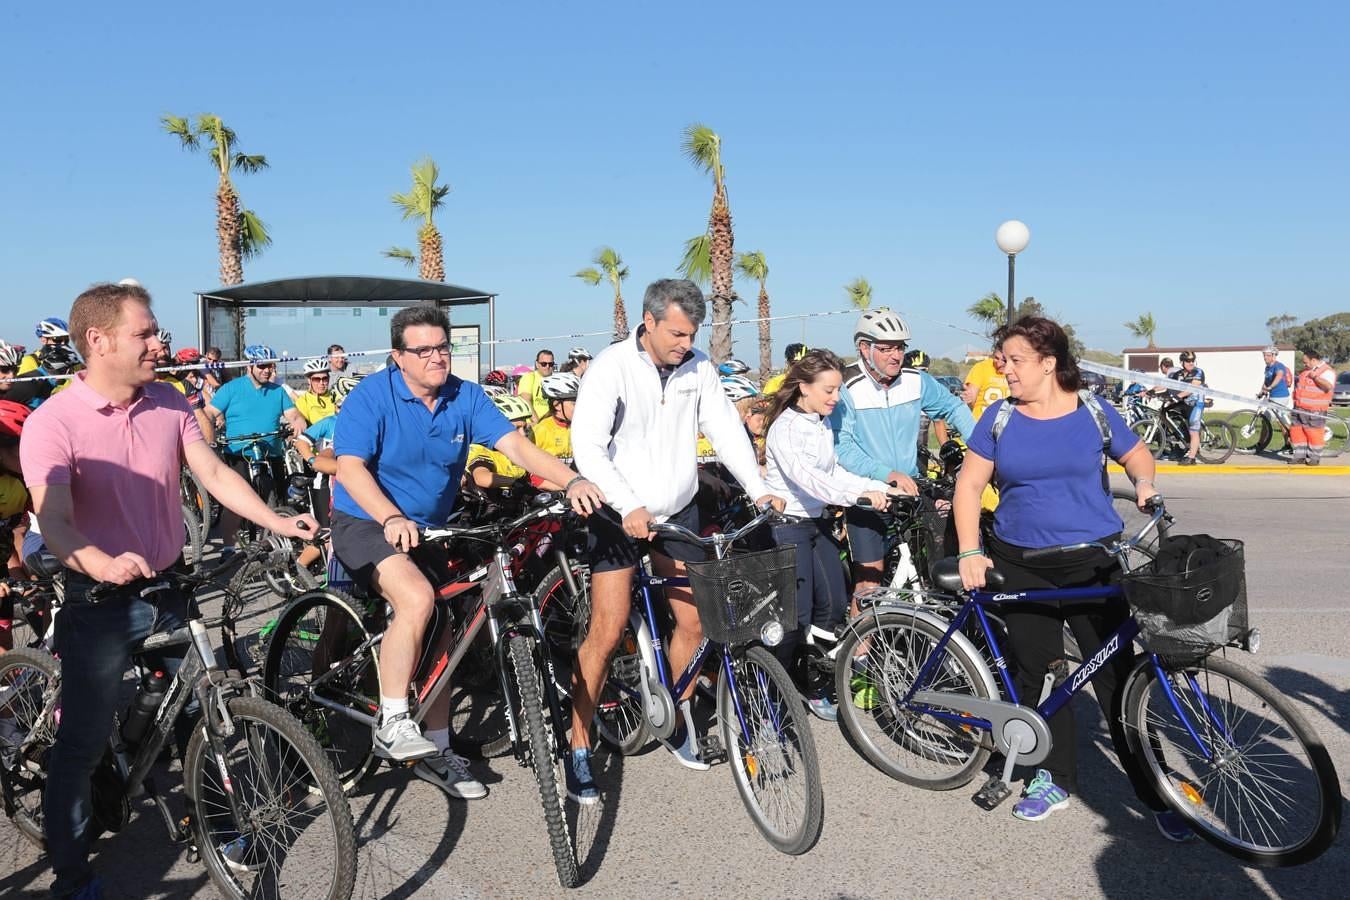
{"x": 360, "y": 546}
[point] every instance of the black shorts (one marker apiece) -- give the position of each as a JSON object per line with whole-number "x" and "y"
{"x": 611, "y": 550}
{"x": 360, "y": 546}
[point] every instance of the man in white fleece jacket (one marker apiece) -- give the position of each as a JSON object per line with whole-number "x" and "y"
{"x": 641, "y": 407}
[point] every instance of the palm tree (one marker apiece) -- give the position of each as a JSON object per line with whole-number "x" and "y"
{"x": 402, "y": 254}
{"x": 754, "y": 265}
{"x": 696, "y": 265}
{"x": 609, "y": 265}
{"x": 1144, "y": 327}
{"x": 859, "y": 292}
{"x": 421, "y": 203}
{"x": 239, "y": 234}
{"x": 989, "y": 309}
{"x": 703, "y": 147}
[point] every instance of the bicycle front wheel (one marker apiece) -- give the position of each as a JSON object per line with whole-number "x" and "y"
{"x": 1251, "y": 431}
{"x": 772, "y": 751}
{"x": 545, "y": 757}
{"x": 1216, "y": 442}
{"x": 1235, "y": 759}
{"x": 314, "y": 672}
{"x": 293, "y": 835}
{"x": 879, "y": 658}
{"x": 1150, "y": 431}
{"x": 28, "y": 695}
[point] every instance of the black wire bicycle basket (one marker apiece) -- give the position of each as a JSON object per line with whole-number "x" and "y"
{"x": 737, "y": 596}
{"x": 1188, "y": 610}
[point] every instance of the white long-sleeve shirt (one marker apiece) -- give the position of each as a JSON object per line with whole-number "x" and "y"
{"x": 636, "y": 439}
{"x": 802, "y": 468}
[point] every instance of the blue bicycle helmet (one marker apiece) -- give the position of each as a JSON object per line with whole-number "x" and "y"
{"x": 257, "y": 353}
{"x": 52, "y": 328}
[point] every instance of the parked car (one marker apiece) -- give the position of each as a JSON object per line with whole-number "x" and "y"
{"x": 1341, "y": 393}
{"x": 951, "y": 383}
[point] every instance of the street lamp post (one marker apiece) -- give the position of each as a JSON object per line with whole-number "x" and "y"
{"x": 1012, "y": 238}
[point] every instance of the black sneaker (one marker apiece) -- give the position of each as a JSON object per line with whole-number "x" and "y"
{"x": 1186, "y": 461}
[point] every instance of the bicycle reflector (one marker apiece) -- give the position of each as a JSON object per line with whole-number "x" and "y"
{"x": 771, "y": 634}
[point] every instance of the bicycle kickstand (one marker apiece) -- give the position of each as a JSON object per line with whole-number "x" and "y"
{"x": 996, "y": 789}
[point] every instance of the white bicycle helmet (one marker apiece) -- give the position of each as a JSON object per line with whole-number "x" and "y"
{"x": 10, "y": 357}
{"x": 164, "y": 337}
{"x": 733, "y": 367}
{"x": 579, "y": 353}
{"x": 259, "y": 353}
{"x": 881, "y": 324}
{"x": 317, "y": 366}
{"x": 494, "y": 390}
{"x": 52, "y": 328}
{"x": 562, "y": 386}
{"x": 513, "y": 407}
{"x": 738, "y": 387}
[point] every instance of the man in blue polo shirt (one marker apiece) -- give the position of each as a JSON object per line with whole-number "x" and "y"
{"x": 401, "y": 439}
{"x": 252, "y": 405}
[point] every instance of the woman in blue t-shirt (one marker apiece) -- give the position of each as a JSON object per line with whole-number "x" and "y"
{"x": 1048, "y": 466}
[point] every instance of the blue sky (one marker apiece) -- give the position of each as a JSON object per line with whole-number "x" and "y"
{"x": 1184, "y": 159}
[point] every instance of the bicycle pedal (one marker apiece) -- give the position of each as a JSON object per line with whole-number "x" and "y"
{"x": 1060, "y": 670}
{"x": 710, "y": 749}
{"x": 194, "y": 855}
{"x": 994, "y": 792}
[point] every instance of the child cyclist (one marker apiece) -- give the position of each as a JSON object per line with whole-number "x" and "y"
{"x": 553, "y": 433}
{"x": 488, "y": 468}
{"x": 801, "y": 466}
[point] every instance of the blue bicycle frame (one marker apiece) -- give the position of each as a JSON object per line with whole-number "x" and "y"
{"x": 645, "y": 585}
{"x": 1122, "y": 638}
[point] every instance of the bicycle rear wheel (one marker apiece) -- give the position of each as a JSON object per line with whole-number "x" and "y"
{"x": 1251, "y": 431}
{"x": 295, "y": 835}
{"x": 317, "y": 636}
{"x": 193, "y": 540}
{"x": 774, "y": 765}
{"x": 879, "y": 658}
{"x": 1258, "y": 783}
{"x": 565, "y": 619}
{"x": 1336, "y": 436}
{"x": 28, "y": 681}
{"x": 1216, "y": 442}
{"x": 620, "y": 721}
{"x": 545, "y": 758}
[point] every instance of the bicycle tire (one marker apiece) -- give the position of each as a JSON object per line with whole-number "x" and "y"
{"x": 1336, "y": 438}
{"x": 274, "y": 743}
{"x": 1152, "y": 433}
{"x": 565, "y": 619}
{"x": 870, "y": 711}
{"x": 1216, "y": 442}
{"x": 193, "y": 547}
{"x": 1199, "y": 797}
{"x": 319, "y": 631}
{"x": 294, "y": 579}
{"x": 773, "y": 707}
{"x": 202, "y": 503}
{"x": 620, "y": 720}
{"x": 25, "y": 677}
{"x": 545, "y": 759}
{"x": 1251, "y": 431}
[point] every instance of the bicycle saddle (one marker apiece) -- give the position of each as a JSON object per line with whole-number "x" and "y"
{"x": 43, "y": 564}
{"x": 947, "y": 576}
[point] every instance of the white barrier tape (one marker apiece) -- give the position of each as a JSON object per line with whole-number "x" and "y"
{"x": 1152, "y": 379}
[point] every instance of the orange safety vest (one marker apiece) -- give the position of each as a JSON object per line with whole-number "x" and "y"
{"x": 1307, "y": 394}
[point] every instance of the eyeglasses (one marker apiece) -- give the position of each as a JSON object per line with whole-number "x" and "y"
{"x": 545, "y": 365}
{"x": 426, "y": 352}
{"x": 265, "y": 366}
{"x": 889, "y": 349}
{"x": 318, "y": 378}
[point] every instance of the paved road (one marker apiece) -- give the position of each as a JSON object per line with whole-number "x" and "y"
{"x": 663, "y": 831}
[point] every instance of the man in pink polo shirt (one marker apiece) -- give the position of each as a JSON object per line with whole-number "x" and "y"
{"x": 102, "y": 462}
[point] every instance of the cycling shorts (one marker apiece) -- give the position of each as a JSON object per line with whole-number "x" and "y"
{"x": 611, "y": 550}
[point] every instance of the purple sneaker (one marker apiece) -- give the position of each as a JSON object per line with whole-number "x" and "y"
{"x": 1042, "y": 797}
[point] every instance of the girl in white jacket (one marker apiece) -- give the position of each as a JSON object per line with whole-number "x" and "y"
{"x": 801, "y": 466}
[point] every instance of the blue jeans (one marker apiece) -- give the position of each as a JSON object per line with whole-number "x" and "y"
{"x": 94, "y": 643}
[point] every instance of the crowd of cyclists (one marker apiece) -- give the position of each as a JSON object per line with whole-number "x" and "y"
{"x": 636, "y": 434}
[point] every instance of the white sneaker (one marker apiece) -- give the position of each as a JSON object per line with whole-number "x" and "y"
{"x": 450, "y": 773}
{"x": 401, "y": 740}
{"x": 686, "y": 754}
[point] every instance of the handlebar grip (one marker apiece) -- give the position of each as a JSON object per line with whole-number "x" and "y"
{"x": 863, "y": 502}
{"x": 1154, "y": 503}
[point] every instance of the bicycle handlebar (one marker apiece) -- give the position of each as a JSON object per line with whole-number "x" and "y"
{"x": 187, "y": 581}
{"x": 766, "y": 513}
{"x": 1159, "y": 513}
{"x": 551, "y": 504}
